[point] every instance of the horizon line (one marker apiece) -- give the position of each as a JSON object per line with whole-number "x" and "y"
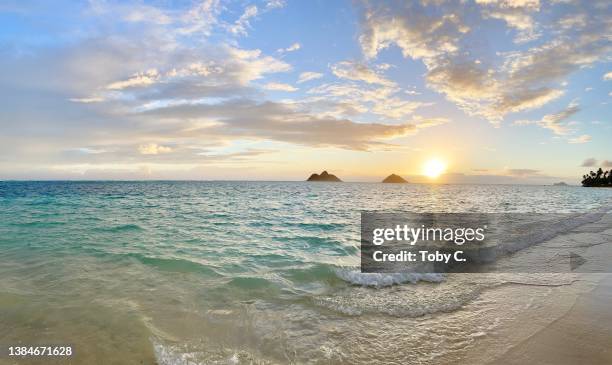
{"x": 294, "y": 181}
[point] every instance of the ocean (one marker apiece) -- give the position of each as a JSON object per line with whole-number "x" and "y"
{"x": 253, "y": 272}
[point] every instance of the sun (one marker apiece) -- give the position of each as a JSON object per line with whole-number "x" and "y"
{"x": 434, "y": 168}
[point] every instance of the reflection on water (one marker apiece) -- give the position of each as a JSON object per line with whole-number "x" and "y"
{"x": 249, "y": 272}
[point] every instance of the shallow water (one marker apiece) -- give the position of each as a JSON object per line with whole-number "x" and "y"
{"x": 241, "y": 272}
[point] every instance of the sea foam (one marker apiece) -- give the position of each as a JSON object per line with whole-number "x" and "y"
{"x": 386, "y": 279}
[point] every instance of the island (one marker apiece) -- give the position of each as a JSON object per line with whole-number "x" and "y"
{"x": 560, "y": 184}
{"x": 324, "y": 176}
{"x": 394, "y": 179}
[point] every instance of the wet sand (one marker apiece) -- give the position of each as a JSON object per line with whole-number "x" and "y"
{"x": 582, "y": 336}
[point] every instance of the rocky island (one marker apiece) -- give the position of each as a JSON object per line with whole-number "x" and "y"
{"x": 324, "y": 176}
{"x": 394, "y": 179}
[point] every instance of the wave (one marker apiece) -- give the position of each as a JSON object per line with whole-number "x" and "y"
{"x": 315, "y": 272}
{"x": 39, "y": 224}
{"x": 250, "y": 283}
{"x": 121, "y": 228}
{"x": 173, "y": 264}
{"x": 418, "y": 300}
{"x": 317, "y": 226}
{"x": 378, "y": 280}
{"x": 168, "y": 355}
{"x": 185, "y": 354}
{"x": 177, "y": 265}
{"x": 548, "y": 230}
{"x": 402, "y": 301}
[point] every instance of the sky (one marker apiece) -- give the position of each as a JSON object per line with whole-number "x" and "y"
{"x": 499, "y": 91}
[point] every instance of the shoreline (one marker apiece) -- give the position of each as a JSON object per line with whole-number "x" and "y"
{"x": 583, "y": 335}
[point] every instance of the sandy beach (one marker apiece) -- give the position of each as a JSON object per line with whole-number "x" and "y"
{"x": 582, "y": 336}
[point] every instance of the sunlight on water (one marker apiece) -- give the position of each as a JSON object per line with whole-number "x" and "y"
{"x": 237, "y": 272}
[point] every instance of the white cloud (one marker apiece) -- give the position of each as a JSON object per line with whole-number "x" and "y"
{"x": 153, "y": 149}
{"x": 94, "y": 99}
{"x": 200, "y": 19}
{"x": 359, "y": 72}
{"x": 581, "y": 139}
{"x": 274, "y": 4}
{"x": 292, "y": 48}
{"x": 308, "y": 76}
{"x": 516, "y": 14}
{"x": 277, "y": 86}
{"x": 439, "y": 34}
{"x": 140, "y": 79}
{"x": 556, "y": 122}
{"x": 89, "y": 151}
{"x": 242, "y": 24}
{"x": 143, "y": 13}
{"x": 353, "y": 98}
{"x": 608, "y": 76}
{"x": 253, "y": 65}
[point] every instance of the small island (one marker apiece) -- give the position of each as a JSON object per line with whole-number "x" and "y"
{"x": 394, "y": 179}
{"x": 560, "y": 184}
{"x": 324, "y": 176}
{"x": 600, "y": 178}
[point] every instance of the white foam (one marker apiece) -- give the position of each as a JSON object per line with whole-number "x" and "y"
{"x": 551, "y": 229}
{"x": 166, "y": 355}
{"x": 200, "y": 354}
{"x": 386, "y": 279}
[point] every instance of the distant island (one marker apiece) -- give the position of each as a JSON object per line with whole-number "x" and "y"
{"x": 600, "y": 178}
{"x": 394, "y": 179}
{"x": 324, "y": 176}
{"x": 560, "y": 184}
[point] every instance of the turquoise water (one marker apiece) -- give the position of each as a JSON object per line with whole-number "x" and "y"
{"x": 224, "y": 271}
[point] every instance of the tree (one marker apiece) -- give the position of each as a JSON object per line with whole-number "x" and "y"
{"x": 598, "y": 178}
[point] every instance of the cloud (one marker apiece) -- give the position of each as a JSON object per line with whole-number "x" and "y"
{"x": 308, "y": 76}
{"x": 235, "y": 156}
{"x": 177, "y": 75}
{"x": 292, "y": 48}
{"x": 580, "y": 139}
{"x": 200, "y": 19}
{"x": 589, "y": 162}
{"x": 93, "y": 99}
{"x": 274, "y": 4}
{"x": 606, "y": 163}
{"x": 117, "y": 93}
{"x": 556, "y": 122}
{"x": 143, "y": 13}
{"x": 384, "y": 101}
{"x": 279, "y": 122}
{"x": 490, "y": 85}
{"x": 608, "y": 76}
{"x": 242, "y": 24}
{"x": 88, "y": 150}
{"x": 277, "y": 86}
{"x": 253, "y": 65}
{"x": 359, "y": 72}
{"x": 214, "y": 71}
{"x": 153, "y": 149}
{"x": 523, "y": 172}
{"x": 516, "y": 14}
{"x": 140, "y": 79}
